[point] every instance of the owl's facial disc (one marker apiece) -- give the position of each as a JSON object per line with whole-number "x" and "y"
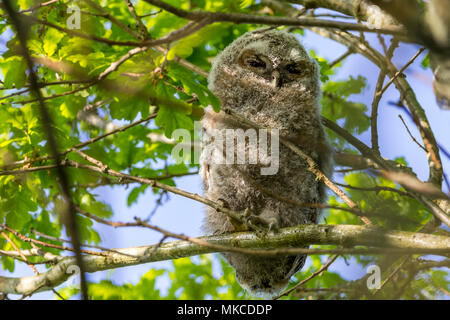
{"x": 276, "y": 74}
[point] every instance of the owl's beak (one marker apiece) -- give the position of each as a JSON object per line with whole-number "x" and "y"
{"x": 276, "y": 79}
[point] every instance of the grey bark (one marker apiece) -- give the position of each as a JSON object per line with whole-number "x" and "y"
{"x": 295, "y": 237}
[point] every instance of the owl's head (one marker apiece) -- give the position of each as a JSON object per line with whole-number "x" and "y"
{"x": 267, "y": 64}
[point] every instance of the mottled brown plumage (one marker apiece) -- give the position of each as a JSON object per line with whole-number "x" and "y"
{"x": 268, "y": 78}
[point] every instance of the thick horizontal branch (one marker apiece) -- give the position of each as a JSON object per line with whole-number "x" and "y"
{"x": 200, "y": 19}
{"x": 270, "y": 20}
{"x": 285, "y": 241}
{"x": 360, "y": 9}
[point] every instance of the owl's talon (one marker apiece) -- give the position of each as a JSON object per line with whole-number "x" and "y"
{"x": 273, "y": 224}
{"x": 270, "y": 223}
{"x": 253, "y": 221}
{"x": 249, "y": 217}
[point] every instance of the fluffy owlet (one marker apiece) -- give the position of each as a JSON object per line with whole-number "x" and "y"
{"x": 268, "y": 78}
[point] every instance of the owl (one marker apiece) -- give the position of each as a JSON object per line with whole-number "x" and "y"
{"x": 267, "y": 77}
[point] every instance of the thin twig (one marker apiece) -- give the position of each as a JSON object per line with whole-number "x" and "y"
{"x": 55, "y": 95}
{"x": 315, "y": 274}
{"x": 20, "y": 252}
{"x": 102, "y": 168}
{"x": 388, "y": 278}
{"x": 80, "y": 145}
{"x": 410, "y": 134}
{"x": 34, "y": 8}
{"x": 105, "y": 14}
{"x": 399, "y": 72}
{"x": 374, "y": 112}
{"x": 341, "y": 58}
{"x": 45, "y": 236}
{"x": 143, "y": 33}
{"x": 376, "y": 189}
{"x": 389, "y": 52}
{"x": 49, "y": 245}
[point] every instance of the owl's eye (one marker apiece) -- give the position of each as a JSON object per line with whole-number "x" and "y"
{"x": 294, "y": 69}
{"x": 256, "y": 63}
{"x": 253, "y": 60}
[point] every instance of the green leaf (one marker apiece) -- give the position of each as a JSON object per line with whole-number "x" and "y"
{"x": 426, "y": 61}
{"x": 134, "y": 194}
{"x": 245, "y": 3}
{"x": 51, "y": 40}
{"x": 192, "y": 86}
{"x": 69, "y": 110}
{"x": 14, "y": 70}
{"x": 336, "y": 105}
{"x": 324, "y": 67}
{"x": 170, "y": 120}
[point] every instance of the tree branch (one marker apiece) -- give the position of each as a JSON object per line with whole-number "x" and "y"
{"x": 324, "y": 267}
{"x": 362, "y": 10}
{"x": 269, "y": 20}
{"x": 345, "y": 235}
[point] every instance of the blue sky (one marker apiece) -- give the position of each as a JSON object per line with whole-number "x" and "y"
{"x": 182, "y": 215}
